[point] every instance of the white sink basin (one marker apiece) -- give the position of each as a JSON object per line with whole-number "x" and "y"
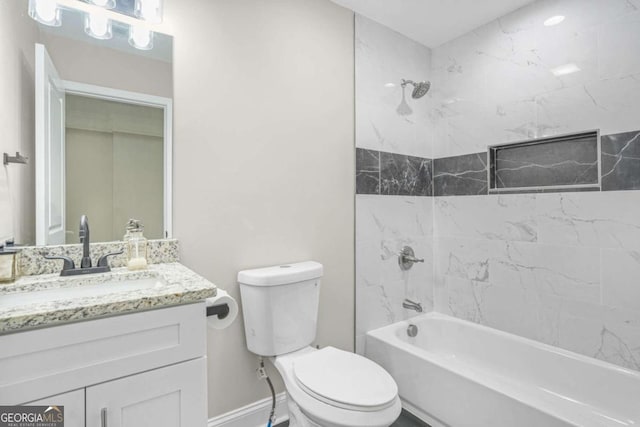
{"x": 15, "y": 299}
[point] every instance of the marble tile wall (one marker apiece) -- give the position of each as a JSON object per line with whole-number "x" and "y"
{"x": 496, "y": 84}
{"x": 387, "y": 118}
{"x": 561, "y": 268}
{"x": 565, "y": 163}
{"x": 384, "y": 224}
{"x": 393, "y": 176}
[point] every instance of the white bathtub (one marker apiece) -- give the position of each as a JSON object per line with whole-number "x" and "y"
{"x": 456, "y": 373}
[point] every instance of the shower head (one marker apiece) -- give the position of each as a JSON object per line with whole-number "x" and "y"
{"x": 420, "y": 89}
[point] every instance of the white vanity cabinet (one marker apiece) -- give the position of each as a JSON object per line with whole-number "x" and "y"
{"x": 132, "y": 370}
{"x": 73, "y": 403}
{"x": 167, "y": 397}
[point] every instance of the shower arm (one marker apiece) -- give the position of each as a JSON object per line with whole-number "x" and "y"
{"x": 406, "y": 82}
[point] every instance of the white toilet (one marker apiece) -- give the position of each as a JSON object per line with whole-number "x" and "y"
{"x": 327, "y": 387}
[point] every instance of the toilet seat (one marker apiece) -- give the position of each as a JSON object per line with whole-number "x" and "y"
{"x": 345, "y": 380}
{"x": 323, "y": 411}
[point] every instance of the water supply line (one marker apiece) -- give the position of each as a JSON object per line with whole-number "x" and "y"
{"x": 262, "y": 373}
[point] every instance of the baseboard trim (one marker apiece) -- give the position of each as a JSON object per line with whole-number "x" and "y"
{"x": 421, "y": 415}
{"x": 255, "y": 414}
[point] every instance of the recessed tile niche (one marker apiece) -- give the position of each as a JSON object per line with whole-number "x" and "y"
{"x": 569, "y": 162}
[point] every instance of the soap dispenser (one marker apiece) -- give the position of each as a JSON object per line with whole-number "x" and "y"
{"x": 136, "y": 245}
{"x": 8, "y": 255}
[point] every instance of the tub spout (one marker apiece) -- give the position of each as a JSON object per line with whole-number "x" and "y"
{"x": 412, "y": 305}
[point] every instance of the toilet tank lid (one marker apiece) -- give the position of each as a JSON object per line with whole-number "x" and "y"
{"x": 281, "y": 274}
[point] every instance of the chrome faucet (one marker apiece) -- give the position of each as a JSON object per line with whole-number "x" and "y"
{"x": 69, "y": 266}
{"x": 85, "y": 240}
{"x": 412, "y": 305}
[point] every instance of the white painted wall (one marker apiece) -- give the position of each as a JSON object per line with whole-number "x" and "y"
{"x": 264, "y": 156}
{"x": 264, "y": 159}
{"x": 89, "y": 63}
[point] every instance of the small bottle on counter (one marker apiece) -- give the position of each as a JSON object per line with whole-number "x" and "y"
{"x": 8, "y": 255}
{"x": 136, "y": 245}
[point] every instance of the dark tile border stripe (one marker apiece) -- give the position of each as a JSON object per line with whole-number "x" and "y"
{"x": 383, "y": 173}
{"x": 367, "y": 171}
{"x": 621, "y": 161}
{"x": 460, "y": 175}
{"x": 379, "y": 172}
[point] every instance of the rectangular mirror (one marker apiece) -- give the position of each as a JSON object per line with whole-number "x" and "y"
{"x": 103, "y": 115}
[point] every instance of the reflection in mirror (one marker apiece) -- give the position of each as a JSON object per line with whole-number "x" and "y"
{"x": 114, "y": 166}
{"x": 103, "y": 132}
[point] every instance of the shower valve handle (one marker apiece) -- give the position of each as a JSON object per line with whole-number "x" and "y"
{"x": 407, "y": 258}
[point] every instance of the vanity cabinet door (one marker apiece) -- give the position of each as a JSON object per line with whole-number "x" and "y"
{"x": 174, "y": 396}
{"x": 73, "y": 403}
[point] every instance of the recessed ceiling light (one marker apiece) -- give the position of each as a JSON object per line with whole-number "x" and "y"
{"x": 554, "y": 20}
{"x": 389, "y": 85}
{"x": 565, "y": 69}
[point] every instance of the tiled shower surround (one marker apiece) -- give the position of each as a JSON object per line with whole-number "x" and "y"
{"x": 559, "y": 267}
{"x": 393, "y": 177}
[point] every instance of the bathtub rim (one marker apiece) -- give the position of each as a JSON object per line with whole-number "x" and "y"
{"x": 387, "y": 334}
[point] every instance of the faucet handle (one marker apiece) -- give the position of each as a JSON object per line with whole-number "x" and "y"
{"x": 104, "y": 262}
{"x": 68, "y": 262}
{"x": 406, "y": 258}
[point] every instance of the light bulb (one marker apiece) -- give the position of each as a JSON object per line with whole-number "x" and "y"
{"x": 149, "y": 10}
{"x": 97, "y": 26}
{"x": 107, "y": 4}
{"x": 45, "y": 11}
{"x": 141, "y": 38}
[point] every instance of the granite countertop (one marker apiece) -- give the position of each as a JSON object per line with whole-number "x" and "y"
{"x": 23, "y": 306}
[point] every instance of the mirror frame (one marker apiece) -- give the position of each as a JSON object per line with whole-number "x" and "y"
{"x": 128, "y": 97}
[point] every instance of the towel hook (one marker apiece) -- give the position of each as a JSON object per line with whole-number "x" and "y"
{"x": 18, "y": 158}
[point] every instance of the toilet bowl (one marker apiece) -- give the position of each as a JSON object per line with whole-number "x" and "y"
{"x": 325, "y": 387}
{"x": 335, "y": 388}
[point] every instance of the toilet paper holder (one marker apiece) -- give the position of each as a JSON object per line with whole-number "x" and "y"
{"x": 220, "y": 310}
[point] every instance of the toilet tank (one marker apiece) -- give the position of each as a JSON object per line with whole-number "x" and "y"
{"x": 280, "y": 307}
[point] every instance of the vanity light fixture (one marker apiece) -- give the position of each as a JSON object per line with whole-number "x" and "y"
{"x": 107, "y": 4}
{"x": 99, "y": 20}
{"x": 140, "y": 37}
{"x": 97, "y": 26}
{"x": 554, "y": 20}
{"x": 149, "y": 10}
{"x": 46, "y": 12}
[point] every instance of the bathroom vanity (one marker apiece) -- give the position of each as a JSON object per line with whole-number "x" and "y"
{"x": 116, "y": 349}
